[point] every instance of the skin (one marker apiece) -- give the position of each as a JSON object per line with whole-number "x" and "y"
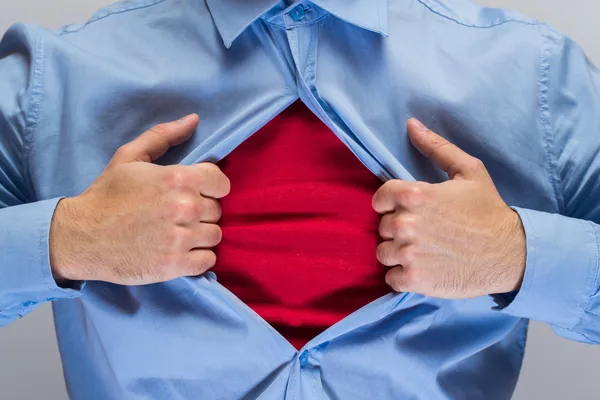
{"x": 140, "y": 223}
{"x": 455, "y": 239}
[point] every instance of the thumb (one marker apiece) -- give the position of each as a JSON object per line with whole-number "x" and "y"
{"x": 448, "y": 157}
{"x": 155, "y": 142}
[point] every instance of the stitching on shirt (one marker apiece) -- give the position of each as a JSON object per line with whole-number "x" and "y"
{"x": 32, "y": 119}
{"x": 107, "y": 12}
{"x": 596, "y": 276}
{"x": 311, "y": 69}
{"x": 546, "y": 119}
{"x": 34, "y": 110}
{"x": 495, "y": 23}
{"x": 40, "y": 252}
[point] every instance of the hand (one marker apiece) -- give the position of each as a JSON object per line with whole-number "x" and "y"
{"x": 455, "y": 239}
{"x": 141, "y": 223}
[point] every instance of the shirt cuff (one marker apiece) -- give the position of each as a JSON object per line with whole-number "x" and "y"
{"x": 25, "y": 275}
{"x": 561, "y": 268}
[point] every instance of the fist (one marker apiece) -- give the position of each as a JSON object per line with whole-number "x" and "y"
{"x": 455, "y": 239}
{"x": 141, "y": 223}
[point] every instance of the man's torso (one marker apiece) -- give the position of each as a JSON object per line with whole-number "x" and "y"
{"x": 104, "y": 83}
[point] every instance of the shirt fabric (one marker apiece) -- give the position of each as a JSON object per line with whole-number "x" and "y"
{"x": 299, "y": 231}
{"x": 511, "y": 91}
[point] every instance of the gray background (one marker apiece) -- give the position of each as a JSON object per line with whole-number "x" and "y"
{"x": 554, "y": 368}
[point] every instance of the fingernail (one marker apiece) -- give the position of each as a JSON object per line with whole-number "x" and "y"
{"x": 418, "y": 125}
{"x": 188, "y": 118}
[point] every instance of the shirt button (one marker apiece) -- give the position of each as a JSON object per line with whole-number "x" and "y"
{"x": 303, "y": 359}
{"x": 29, "y": 303}
{"x": 298, "y": 13}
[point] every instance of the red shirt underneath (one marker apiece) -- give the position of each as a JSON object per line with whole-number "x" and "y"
{"x": 299, "y": 233}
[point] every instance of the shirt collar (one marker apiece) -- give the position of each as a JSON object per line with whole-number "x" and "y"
{"x": 232, "y": 17}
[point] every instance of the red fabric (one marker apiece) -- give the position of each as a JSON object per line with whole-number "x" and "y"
{"x": 299, "y": 233}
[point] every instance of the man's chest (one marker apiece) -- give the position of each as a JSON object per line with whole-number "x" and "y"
{"x": 299, "y": 231}
{"x": 364, "y": 93}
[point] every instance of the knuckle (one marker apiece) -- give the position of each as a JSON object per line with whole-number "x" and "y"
{"x": 410, "y": 197}
{"x": 160, "y": 129}
{"x": 210, "y": 168}
{"x": 387, "y": 186}
{"x": 210, "y": 210}
{"x": 408, "y": 255}
{"x": 394, "y": 186}
{"x": 439, "y": 142}
{"x": 404, "y": 227}
{"x": 176, "y": 178}
{"x": 476, "y": 164}
{"x": 412, "y": 277}
{"x": 123, "y": 151}
{"x": 185, "y": 208}
{"x": 399, "y": 223}
{"x": 199, "y": 209}
{"x": 216, "y": 177}
{"x": 175, "y": 240}
{"x": 385, "y": 194}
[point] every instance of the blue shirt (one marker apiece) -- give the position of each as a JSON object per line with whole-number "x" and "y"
{"x": 511, "y": 91}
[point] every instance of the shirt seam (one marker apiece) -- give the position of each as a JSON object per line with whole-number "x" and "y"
{"x": 493, "y": 24}
{"x": 545, "y": 115}
{"x": 311, "y": 68}
{"x": 35, "y": 95}
{"x": 107, "y": 13}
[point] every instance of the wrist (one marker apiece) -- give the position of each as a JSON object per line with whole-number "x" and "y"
{"x": 61, "y": 241}
{"x": 515, "y": 253}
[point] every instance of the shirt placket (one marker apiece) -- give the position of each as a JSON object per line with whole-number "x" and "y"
{"x": 301, "y": 30}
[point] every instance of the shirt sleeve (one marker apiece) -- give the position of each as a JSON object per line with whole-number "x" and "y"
{"x": 561, "y": 285}
{"x": 25, "y": 275}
